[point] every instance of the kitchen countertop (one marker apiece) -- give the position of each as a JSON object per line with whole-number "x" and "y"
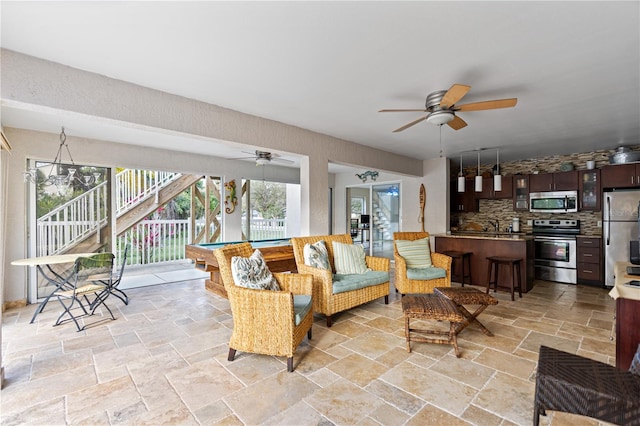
{"x": 514, "y": 236}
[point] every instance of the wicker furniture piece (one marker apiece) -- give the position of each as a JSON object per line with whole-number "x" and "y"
{"x": 431, "y": 307}
{"x": 405, "y": 285}
{"x": 574, "y": 384}
{"x": 324, "y": 299}
{"x": 264, "y": 320}
{"x": 494, "y": 265}
{"x": 468, "y": 296}
{"x": 462, "y": 258}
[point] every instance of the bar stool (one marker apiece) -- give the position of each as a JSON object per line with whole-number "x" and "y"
{"x": 465, "y": 263}
{"x": 512, "y": 262}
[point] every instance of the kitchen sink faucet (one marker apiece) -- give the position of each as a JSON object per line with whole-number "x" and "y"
{"x": 496, "y": 225}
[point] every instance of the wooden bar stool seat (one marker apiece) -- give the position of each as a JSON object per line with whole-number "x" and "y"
{"x": 512, "y": 262}
{"x": 464, "y": 258}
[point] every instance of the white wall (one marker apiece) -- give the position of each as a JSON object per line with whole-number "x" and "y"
{"x": 436, "y": 182}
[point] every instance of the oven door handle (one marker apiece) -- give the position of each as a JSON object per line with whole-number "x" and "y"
{"x": 566, "y": 202}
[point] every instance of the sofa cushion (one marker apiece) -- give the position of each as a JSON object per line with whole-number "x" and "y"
{"x": 425, "y": 273}
{"x": 349, "y": 282}
{"x": 301, "y": 306}
{"x": 416, "y": 253}
{"x": 349, "y": 258}
{"x": 316, "y": 255}
{"x": 252, "y": 272}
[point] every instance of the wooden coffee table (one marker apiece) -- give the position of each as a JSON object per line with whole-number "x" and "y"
{"x": 468, "y": 296}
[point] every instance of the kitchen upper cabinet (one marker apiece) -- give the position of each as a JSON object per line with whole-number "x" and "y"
{"x": 489, "y": 193}
{"x": 620, "y": 176}
{"x": 560, "y": 181}
{"x": 521, "y": 192}
{"x": 590, "y": 191}
{"x": 463, "y": 201}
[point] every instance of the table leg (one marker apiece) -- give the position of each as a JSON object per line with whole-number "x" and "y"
{"x": 472, "y": 317}
{"x": 59, "y": 282}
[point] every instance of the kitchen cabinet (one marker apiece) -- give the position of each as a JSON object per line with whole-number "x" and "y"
{"x": 463, "y": 201}
{"x": 490, "y": 194}
{"x": 620, "y": 176}
{"x": 589, "y": 259}
{"x": 560, "y": 181}
{"x": 521, "y": 192}
{"x": 590, "y": 192}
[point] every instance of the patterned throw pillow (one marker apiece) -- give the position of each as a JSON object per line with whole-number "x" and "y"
{"x": 416, "y": 253}
{"x": 635, "y": 363}
{"x": 252, "y": 272}
{"x": 316, "y": 255}
{"x": 349, "y": 258}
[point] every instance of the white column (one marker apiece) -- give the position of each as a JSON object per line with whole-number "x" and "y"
{"x": 314, "y": 193}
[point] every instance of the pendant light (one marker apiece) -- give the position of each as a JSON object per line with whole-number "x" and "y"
{"x": 461, "y": 179}
{"x": 478, "y": 177}
{"x": 497, "y": 178}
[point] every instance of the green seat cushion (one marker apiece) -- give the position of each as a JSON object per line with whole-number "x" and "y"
{"x": 301, "y": 306}
{"x": 416, "y": 253}
{"x": 349, "y": 282}
{"x": 425, "y": 273}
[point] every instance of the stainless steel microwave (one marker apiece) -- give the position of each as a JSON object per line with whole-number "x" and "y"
{"x": 553, "y": 202}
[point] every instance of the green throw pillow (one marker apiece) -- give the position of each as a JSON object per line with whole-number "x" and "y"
{"x": 349, "y": 258}
{"x": 416, "y": 253}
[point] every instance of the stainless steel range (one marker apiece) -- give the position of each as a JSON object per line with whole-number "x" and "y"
{"x": 555, "y": 249}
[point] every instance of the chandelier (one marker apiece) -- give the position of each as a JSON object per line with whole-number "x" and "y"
{"x": 62, "y": 176}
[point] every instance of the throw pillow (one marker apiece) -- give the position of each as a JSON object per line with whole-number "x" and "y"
{"x": 349, "y": 258}
{"x": 416, "y": 253}
{"x": 316, "y": 255}
{"x": 252, "y": 272}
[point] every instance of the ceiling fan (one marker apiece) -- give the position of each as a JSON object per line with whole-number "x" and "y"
{"x": 441, "y": 107}
{"x": 263, "y": 158}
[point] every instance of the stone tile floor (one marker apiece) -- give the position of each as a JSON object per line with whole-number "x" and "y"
{"x": 163, "y": 361}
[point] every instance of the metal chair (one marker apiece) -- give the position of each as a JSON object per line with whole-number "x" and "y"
{"x": 86, "y": 295}
{"x": 111, "y": 283}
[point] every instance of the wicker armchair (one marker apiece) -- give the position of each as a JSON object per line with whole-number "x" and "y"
{"x": 406, "y": 285}
{"x": 264, "y": 320}
{"x": 324, "y": 299}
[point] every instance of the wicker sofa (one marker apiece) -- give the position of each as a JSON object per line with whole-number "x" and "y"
{"x": 406, "y": 285}
{"x": 325, "y": 300}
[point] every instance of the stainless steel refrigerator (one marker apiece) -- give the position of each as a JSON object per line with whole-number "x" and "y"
{"x": 620, "y": 226}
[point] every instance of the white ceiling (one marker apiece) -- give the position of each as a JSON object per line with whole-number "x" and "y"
{"x": 330, "y": 66}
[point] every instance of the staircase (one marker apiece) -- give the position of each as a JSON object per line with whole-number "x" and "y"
{"x": 82, "y": 222}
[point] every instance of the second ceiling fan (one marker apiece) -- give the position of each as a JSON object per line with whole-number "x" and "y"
{"x": 441, "y": 107}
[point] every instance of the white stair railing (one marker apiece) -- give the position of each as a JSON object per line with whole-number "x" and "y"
{"x": 133, "y": 186}
{"x": 73, "y": 221}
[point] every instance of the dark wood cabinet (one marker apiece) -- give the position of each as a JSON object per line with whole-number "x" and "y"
{"x": 489, "y": 193}
{"x": 521, "y": 192}
{"x": 590, "y": 260}
{"x": 590, "y": 191}
{"x": 627, "y": 331}
{"x": 463, "y": 201}
{"x": 620, "y": 176}
{"x": 560, "y": 181}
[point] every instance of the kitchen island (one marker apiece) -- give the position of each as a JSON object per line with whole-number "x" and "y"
{"x": 483, "y": 245}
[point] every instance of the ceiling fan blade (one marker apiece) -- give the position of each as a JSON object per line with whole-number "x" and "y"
{"x": 457, "y": 123}
{"x": 403, "y": 110}
{"x": 414, "y": 122}
{"x": 485, "y": 105}
{"x": 454, "y": 94}
{"x": 281, "y": 160}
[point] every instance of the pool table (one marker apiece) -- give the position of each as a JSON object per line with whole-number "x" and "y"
{"x": 278, "y": 253}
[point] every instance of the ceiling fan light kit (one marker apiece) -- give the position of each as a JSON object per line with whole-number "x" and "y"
{"x": 262, "y": 161}
{"x": 440, "y": 117}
